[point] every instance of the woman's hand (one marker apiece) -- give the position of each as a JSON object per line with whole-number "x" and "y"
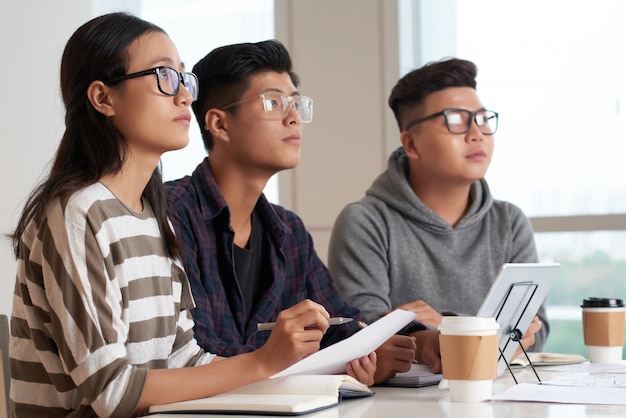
{"x": 363, "y": 369}
{"x": 296, "y": 335}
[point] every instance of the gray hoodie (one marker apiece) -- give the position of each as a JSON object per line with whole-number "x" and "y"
{"x": 388, "y": 249}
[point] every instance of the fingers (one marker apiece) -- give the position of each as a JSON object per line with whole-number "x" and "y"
{"x": 395, "y": 355}
{"x": 306, "y": 315}
{"x": 402, "y": 346}
{"x": 303, "y": 308}
{"x": 428, "y": 349}
{"x": 529, "y": 337}
{"x": 397, "y": 352}
{"x": 297, "y": 334}
{"x": 363, "y": 369}
{"x": 426, "y": 314}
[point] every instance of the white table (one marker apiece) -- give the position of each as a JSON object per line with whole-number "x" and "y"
{"x": 432, "y": 402}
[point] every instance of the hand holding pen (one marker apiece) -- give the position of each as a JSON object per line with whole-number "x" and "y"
{"x": 268, "y": 326}
{"x": 297, "y": 333}
{"x": 296, "y": 324}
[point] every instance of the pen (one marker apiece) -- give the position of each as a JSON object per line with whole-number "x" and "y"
{"x": 267, "y": 326}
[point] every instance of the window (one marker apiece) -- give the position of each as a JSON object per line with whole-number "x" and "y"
{"x": 555, "y": 73}
{"x": 197, "y": 27}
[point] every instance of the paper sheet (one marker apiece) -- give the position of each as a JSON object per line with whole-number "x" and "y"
{"x": 333, "y": 359}
{"x": 589, "y": 380}
{"x": 563, "y": 394}
{"x": 619, "y": 368}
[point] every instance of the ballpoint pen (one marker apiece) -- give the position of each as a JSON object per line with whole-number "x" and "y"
{"x": 267, "y": 326}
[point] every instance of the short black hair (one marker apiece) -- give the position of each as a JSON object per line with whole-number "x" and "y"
{"x": 224, "y": 75}
{"x": 413, "y": 88}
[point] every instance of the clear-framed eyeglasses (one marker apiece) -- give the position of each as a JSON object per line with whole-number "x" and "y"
{"x": 459, "y": 121}
{"x": 168, "y": 80}
{"x": 276, "y": 105}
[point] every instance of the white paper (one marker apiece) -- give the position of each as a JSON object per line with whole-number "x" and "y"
{"x": 618, "y": 368}
{"x": 563, "y": 394}
{"x": 588, "y": 380}
{"x": 333, "y": 359}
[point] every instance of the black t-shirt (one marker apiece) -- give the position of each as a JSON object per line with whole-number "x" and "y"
{"x": 252, "y": 265}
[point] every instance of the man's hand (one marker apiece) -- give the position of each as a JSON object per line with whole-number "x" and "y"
{"x": 529, "y": 338}
{"x": 395, "y": 355}
{"x": 428, "y": 349}
{"x": 425, "y": 313}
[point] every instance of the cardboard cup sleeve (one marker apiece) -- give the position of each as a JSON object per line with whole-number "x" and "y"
{"x": 603, "y": 329}
{"x": 465, "y": 357}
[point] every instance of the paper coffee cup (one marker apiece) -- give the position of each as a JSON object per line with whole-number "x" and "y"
{"x": 464, "y": 409}
{"x": 603, "y": 329}
{"x": 469, "y": 356}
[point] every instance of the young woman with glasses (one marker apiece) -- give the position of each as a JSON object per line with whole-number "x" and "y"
{"x": 101, "y": 323}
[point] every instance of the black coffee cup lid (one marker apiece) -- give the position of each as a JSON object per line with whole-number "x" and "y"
{"x": 602, "y": 303}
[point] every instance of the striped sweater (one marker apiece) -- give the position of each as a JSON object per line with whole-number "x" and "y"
{"x": 97, "y": 303}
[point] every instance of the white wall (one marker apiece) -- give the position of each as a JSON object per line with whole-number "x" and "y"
{"x": 347, "y": 60}
{"x": 33, "y": 34}
{"x": 346, "y": 53}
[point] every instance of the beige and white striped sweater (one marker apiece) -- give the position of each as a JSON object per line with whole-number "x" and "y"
{"x": 97, "y": 303}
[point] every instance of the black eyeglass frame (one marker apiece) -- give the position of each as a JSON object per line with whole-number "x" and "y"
{"x": 155, "y": 71}
{"x": 471, "y": 119}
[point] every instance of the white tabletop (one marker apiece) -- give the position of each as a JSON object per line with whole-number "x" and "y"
{"x": 432, "y": 402}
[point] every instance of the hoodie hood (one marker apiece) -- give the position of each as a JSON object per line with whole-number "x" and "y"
{"x": 393, "y": 188}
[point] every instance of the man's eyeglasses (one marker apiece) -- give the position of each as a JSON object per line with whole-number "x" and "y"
{"x": 168, "y": 80}
{"x": 276, "y": 105}
{"x": 459, "y": 121}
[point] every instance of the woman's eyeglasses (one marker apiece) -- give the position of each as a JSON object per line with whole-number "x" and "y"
{"x": 168, "y": 80}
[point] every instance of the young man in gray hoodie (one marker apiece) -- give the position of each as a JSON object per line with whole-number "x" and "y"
{"x": 428, "y": 236}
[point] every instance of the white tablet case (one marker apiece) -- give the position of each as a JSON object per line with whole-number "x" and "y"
{"x": 514, "y": 299}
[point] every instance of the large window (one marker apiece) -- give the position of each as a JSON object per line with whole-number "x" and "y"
{"x": 197, "y": 27}
{"x": 555, "y": 71}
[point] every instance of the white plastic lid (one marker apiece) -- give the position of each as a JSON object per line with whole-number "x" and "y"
{"x": 464, "y": 324}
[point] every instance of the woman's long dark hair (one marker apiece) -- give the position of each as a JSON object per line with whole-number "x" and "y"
{"x": 91, "y": 146}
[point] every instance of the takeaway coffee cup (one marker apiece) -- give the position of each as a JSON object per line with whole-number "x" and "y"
{"x": 603, "y": 329}
{"x": 469, "y": 356}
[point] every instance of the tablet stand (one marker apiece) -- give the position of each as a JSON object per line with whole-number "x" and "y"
{"x": 515, "y": 334}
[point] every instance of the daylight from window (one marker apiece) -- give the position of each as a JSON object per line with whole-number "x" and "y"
{"x": 197, "y": 27}
{"x": 558, "y": 81}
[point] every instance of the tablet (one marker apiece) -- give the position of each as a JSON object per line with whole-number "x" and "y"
{"x": 514, "y": 299}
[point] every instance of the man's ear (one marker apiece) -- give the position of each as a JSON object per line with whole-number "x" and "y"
{"x": 409, "y": 143}
{"x": 99, "y": 94}
{"x": 216, "y": 122}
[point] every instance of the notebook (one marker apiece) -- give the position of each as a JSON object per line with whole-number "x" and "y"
{"x": 514, "y": 299}
{"x": 289, "y": 395}
{"x": 419, "y": 375}
{"x": 314, "y": 383}
{"x": 548, "y": 359}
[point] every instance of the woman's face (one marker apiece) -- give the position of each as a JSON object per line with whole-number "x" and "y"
{"x": 150, "y": 121}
